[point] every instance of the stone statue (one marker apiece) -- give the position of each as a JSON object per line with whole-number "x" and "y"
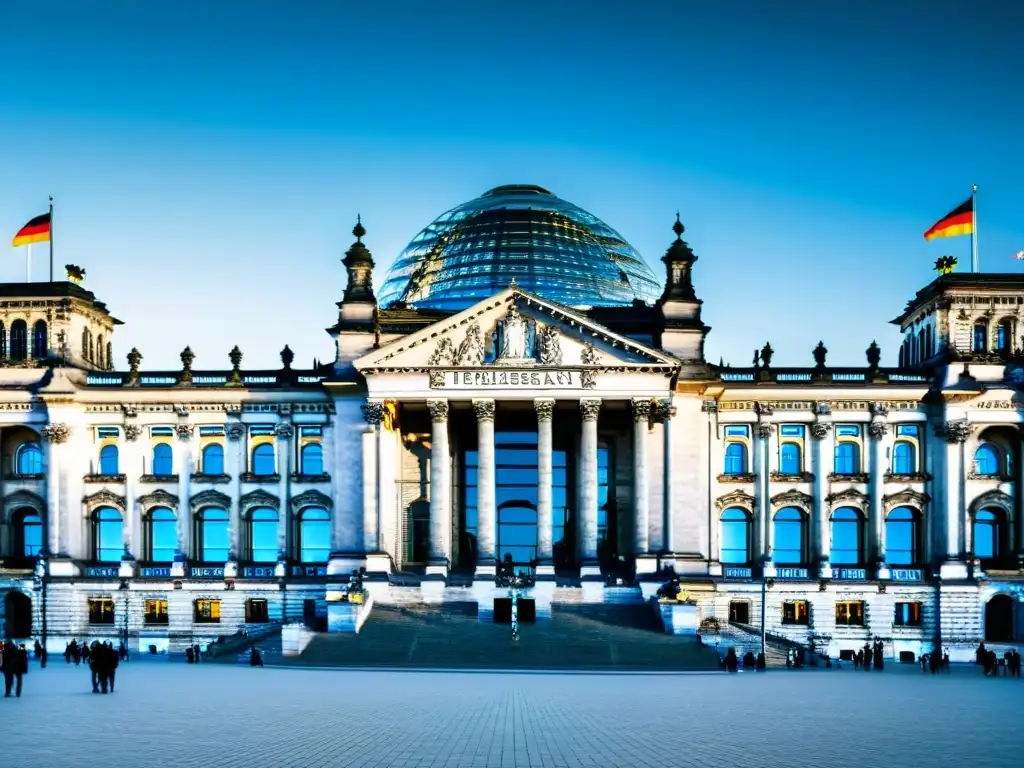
{"x": 550, "y": 346}
{"x": 513, "y": 335}
{"x": 471, "y": 350}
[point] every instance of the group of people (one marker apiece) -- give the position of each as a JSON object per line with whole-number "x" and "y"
{"x": 14, "y": 661}
{"x": 103, "y": 659}
{"x": 731, "y": 662}
{"x": 192, "y": 654}
{"x": 870, "y": 654}
{"x": 1010, "y": 662}
{"x": 935, "y": 661}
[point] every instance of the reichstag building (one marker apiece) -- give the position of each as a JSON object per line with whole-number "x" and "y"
{"x": 521, "y": 386}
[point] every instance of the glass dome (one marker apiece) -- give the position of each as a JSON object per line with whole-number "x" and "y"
{"x": 550, "y": 246}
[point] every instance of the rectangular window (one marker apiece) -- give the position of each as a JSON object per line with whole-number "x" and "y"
{"x": 908, "y": 615}
{"x": 156, "y": 612}
{"x": 847, "y": 430}
{"x": 261, "y": 429}
{"x": 907, "y": 430}
{"x": 311, "y": 431}
{"x": 850, "y": 613}
{"x": 792, "y": 430}
{"x": 256, "y": 611}
{"x": 734, "y": 431}
{"x": 207, "y": 612}
{"x": 739, "y": 611}
{"x": 101, "y": 610}
{"x": 795, "y": 612}
{"x": 102, "y": 432}
{"x": 211, "y": 431}
{"x": 161, "y": 431}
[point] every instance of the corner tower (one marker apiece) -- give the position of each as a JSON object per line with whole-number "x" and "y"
{"x": 683, "y": 330}
{"x": 354, "y": 333}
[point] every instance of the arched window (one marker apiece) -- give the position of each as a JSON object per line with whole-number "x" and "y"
{"x": 213, "y": 459}
{"x": 162, "y": 536}
{"x": 986, "y": 460}
{"x": 928, "y": 346}
{"x": 311, "y": 460}
{"x": 902, "y": 535}
{"x": 163, "y": 461}
{"x": 213, "y": 535}
{"x": 263, "y": 459}
{"x": 86, "y": 343}
{"x": 28, "y": 532}
{"x": 921, "y": 345}
{"x": 735, "y": 459}
{"x": 847, "y": 537}
{"x": 40, "y": 340}
{"x": 29, "y": 459}
{"x": 847, "y": 459}
{"x": 789, "y": 459}
{"x": 19, "y": 340}
{"x": 789, "y": 536}
{"x": 1004, "y": 336}
{"x": 980, "y": 337}
{"x": 314, "y": 535}
{"x": 108, "y": 460}
{"x": 904, "y": 458}
{"x": 988, "y": 534}
{"x": 263, "y": 535}
{"x": 735, "y": 544}
{"x": 3, "y": 340}
{"x": 99, "y": 351}
{"x": 999, "y": 621}
{"x": 108, "y": 536}
{"x": 110, "y": 357}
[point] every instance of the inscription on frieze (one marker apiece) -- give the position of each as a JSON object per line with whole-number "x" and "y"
{"x": 501, "y": 379}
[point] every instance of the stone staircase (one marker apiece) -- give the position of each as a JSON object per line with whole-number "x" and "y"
{"x": 745, "y": 638}
{"x": 586, "y": 637}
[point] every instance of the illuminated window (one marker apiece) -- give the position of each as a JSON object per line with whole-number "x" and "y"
{"x": 795, "y": 612}
{"x": 206, "y": 611}
{"x": 907, "y": 615}
{"x": 156, "y": 612}
{"x": 256, "y": 611}
{"x": 850, "y": 613}
{"x": 101, "y": 610}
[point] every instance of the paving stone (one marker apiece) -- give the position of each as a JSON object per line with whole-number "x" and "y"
{"x": 171, "y": 713}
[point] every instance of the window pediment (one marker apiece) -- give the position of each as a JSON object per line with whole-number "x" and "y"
{"x": 993, "y": 499}
{"x": 735, "y": 499}
{"x": 24, "y": 499}
{"x": 311, "y": 499}
{"x": 258, "y": 498}
{"x": 104, "y": 498}
{"x": 848, "y": 497}
{"x": 158, "y": 498}
{"x": 908, "y": 496}
{"x": 210, "y": 498}
{"x": 793, "y": 498}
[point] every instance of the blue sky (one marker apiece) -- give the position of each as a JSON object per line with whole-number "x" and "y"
{"x": 208, "y": 159}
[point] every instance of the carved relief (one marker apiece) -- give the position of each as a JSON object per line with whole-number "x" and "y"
{"x": 436, "y": 379}
{"x": 764, "y": 409}
{"x": 56, "y": 433}
{"x": 185, "y": 431}
{"x": 878, "y": 429}
{"x": 158, "y": 498}
{"x": 588, "y": 355}
{"x": 955, "y": 431}
{"x": 438, "y": 410}
{"x": 284, "y": 431}
{"x": 735, "y": 499}
{"x": 471, "y": 350}
{"x": 545, "y": 409}
{"x": 587, "y": 379}
{"x": 879, "y": 409}
{"x": 515, "y": 342}
{"x": 792, "y": 498}
{"x": 993, "y": 499}
{"x": 641, "y": 409}
{"x": 907, "y": 496}
{"x": 235, "y": 431}
{"x": 849, "y": 497}
{"x": 443, "y": 354}
{"x": 820, "y": 430}
{"x": 484, "y": 410}
{"x": 132, "y": 432}
{"x": 258, "y": 498}
{"x": 550, "y": 346}
{"x": 210, "y": 498}
{"x": 590, "y": 409}
{"x": 311, "y": 499}
{"x": 764, "y": 431}
{"x": 104, "y": 498}
{"x": 823, "y": 409}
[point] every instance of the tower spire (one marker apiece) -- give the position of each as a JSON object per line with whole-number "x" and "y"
{"x": 359, "y": 265}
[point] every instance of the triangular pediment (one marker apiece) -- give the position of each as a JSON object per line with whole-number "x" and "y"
{"x": 515, "y": 328}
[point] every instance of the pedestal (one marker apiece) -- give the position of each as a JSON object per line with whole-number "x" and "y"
{"x": 953, "y": 569}
{"x": 378, "y": 563}
{"x": 348, "y": 617}
{"x": 647, "y": 564}
{"x": 437, "y": 570}
{"x": 679, "y": 618}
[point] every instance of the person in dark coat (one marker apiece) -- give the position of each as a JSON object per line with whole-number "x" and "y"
{"x": 189, "y": 655}
{"x": 748, "y": 660}
{"x": 867, "y": 657}
{"x": 15, "y": 664}
{"x": 92, "y": 655}
{"x": 731, "y": 661}
{"x": 761, "y": 663}
{"x": 109, "y": 670}
{"x": 879, "y": 660}
{"x": 196, "y": 652}
{"x": 255, "y": 659}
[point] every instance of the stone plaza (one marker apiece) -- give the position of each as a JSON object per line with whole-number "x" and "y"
{"x": 213, "y": 715}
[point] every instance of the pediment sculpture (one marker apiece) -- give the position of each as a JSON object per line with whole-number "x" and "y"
{"x": 516, "y": 344}
{"x": 550, "y": 346}
{"x": 471, "y": 350}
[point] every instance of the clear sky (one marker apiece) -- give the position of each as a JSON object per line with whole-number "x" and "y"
{"x": 208, "y": 159}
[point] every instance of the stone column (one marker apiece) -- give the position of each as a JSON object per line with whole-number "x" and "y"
{"x": 877, "y": 430}
{"x": 641, "y": 425}
{"x": 588, "y": 487}
{"x": 762, "y": 432}
{"x": 955, "y": 433}
{"x": 284, "y": 433}
{"x": 131, "y": 468}
{"x": 183, "y": 458}
{"x": 440, "y": 490}
{"x": 822, "y": 451}
{"x": 55, "y": 435}
{"x": 485, "y": 493}
{"x": 545, "y": 513}
{"x": 668, "y": 412}
{"x": 374, "y": 412}
{"x": 236, "y": 446}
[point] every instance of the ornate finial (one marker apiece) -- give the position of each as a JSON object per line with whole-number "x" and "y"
{"x": 678, "y": 227}
{"x": 287, "y": 356}
{"x": 874, "y": 355}
{"x": 359, "y": 230}
{"x": 235, "y": 356}
{"x": 187, "y": 356}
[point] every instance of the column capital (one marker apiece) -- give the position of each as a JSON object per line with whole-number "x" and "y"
{"x": 373, "y": 411}
{"x": 590, "y": 407}
{"x": 132, "y": 432}
{"x": 56, "y": 433}
{"x": 484, "y": 409}
{"x": 820, "y": 430}
{"x": 438, "y": 411}
{"x": 235, "y": 431}
{"x": 284, "y": 431}
{"x": 641, "y": 409}
{"x": 955, "y": 431}
{"x": 878, "y": 429}
{"x": 185, "y": 431}
{"x": 764, "y": 430}
{"x": 545, "y": 408}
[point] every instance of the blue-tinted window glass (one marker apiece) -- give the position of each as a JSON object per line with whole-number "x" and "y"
{"x": 108, "y": 460}
{"x": 904, "y": 458}
{"x": 979, "y": 338}
{"x": 847, "y": 430}
{"x": 163, "y": 535}
{"x": 263, "y": 535}
{"x": 263, "y": 459}
{"x": 986, "y": 460}
{"x": 735, "y": 459}
{"x": 31, "y": 534}
{"x": 214, "y": 534}
{"x": 735, "y": 542}
{"x": 162, "y": 460}
{"x": 987, "y": 534}
{"x": 847, "y": 535}
{"x": 789, "y": 536}
{"x": 734, "y": 431}
{"x": 109, "y": 535}
{"x": 901, "y": 536}
{"x": 1002, "y": 334}
{"x": 213, "y": 459}
{"x": 312, "y": 459}
{"x": 847, "y": 458}
{"x": 789, "y": 459}
{"x": 314, "y": 535}
{"x": 792, "y": 430}
{"x": 907, "y": 430}
{"x": 30, "y": 459}
{"x": 40, "y": 340}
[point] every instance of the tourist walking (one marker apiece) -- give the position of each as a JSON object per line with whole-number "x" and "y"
{"x": 879, "y": 659}
{"x": 15, "y": 665}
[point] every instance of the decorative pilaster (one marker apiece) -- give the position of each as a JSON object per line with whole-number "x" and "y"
{"x": 545, "y": 513}
{"x": 762, "y": 471}
{"x": 131, "y": 468}
{"x": 668, "y": 413}
{"x": 589, "y": 408}
{"x": 955, "y": 433}
{"x": 374, "y": 413}
{"x": 284, "y": 434}
{"x": 440, "y": 489}
{"x": 236, "y": 450}
{"x": 485, "y": 492}
{"x": 877, "y": 431}
{"x": 641, "y": 425}
{"x": 821, "y": 452}
{"x": 183, "y": 459}
{"x": 54, "y": 435}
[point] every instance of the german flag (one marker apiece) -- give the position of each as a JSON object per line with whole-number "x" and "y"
{"x": 36, "y": 231}
{"x": 959, "y": 221}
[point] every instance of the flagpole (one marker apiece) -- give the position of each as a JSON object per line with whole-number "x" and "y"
{"x": 28, "y": 263}
{"x": 975, "y": 264}
{"x": 51, "y": 238}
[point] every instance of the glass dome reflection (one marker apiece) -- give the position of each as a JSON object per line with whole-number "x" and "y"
{"x": 550, "y": 246}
